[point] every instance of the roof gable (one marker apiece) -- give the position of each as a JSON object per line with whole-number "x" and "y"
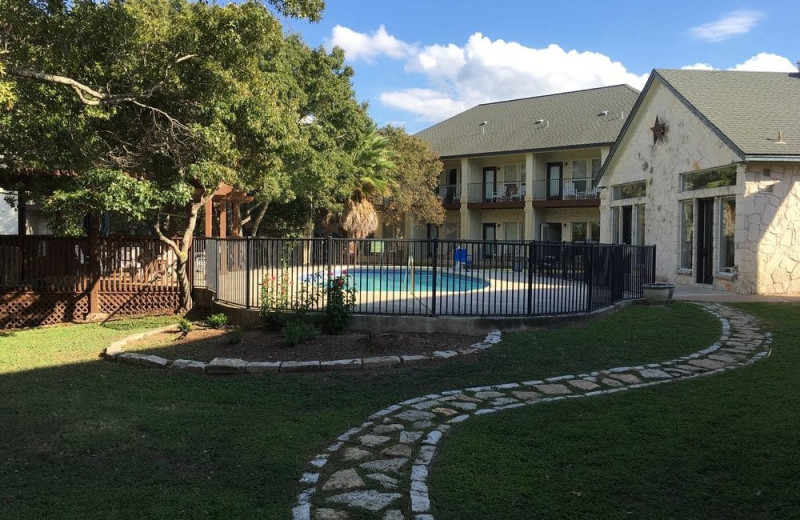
{"x": 749, "y": 108}
{"x": 573, "y": 119}
{"x": 746, "y": 110}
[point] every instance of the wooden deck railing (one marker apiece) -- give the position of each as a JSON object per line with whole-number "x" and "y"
{"x": 46, "y": 280}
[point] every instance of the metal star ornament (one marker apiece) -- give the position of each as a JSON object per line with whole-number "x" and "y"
{"x": 659, "y": 131}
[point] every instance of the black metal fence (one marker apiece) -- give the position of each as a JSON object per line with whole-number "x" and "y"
{"x": 424, "y": 277}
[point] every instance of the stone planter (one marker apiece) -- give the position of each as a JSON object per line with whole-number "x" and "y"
{"x": 658, "y": 293}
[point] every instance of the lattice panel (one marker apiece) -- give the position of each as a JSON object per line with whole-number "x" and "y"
{"x": 33, "y": 309}
{"x": 139, "y": 302}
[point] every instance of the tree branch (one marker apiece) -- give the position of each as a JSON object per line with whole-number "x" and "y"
{"x": 80, "y": 88}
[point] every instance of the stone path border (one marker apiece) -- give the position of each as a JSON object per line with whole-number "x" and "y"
{"x": 381, "y": 466}
{"x": 116, "y": 352}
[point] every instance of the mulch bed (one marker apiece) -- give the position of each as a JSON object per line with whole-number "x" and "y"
{"x": 265, "y": 345}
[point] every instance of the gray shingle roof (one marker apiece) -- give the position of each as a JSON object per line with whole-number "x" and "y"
{"x": 749, "y": 108}
{"x": 571, "y": 119}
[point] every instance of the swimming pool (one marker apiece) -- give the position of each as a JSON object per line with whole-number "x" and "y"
{"x": 397, "y": 279}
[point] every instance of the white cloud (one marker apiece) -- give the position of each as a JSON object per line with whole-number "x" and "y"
{"x": 698, "y": 66}
{"x": 767, "y": 62}
{"x": 490, "y": 70}
{"x": 732, "y": 24}
{"x": 432, "y": 105}
{"x": 366, "y": 47}
{"x": 761, "y": 62}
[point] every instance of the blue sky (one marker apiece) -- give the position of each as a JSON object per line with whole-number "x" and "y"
{"x": 418, "y": 62}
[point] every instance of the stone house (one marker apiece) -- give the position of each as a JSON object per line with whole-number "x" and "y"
{"x": 707, "y": 168}
{"x": 522, "y": 169}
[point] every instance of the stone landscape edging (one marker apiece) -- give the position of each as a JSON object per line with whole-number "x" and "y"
{"x": 116, "y": 352}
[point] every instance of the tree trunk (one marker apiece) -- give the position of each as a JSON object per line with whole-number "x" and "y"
{"x": 258, "y": 219}
{"x": 183, "y": 250}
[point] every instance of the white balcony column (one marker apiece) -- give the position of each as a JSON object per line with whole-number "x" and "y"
{"x": 530, "y": 215}
{"x": 466, "y": 174}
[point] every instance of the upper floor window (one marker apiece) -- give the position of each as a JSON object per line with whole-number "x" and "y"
{"x": 632, "y": 190}
{"x": 514, "y": 172}
{"x": 715, "y": 178}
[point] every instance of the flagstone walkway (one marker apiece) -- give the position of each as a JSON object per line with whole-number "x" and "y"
{"x": 381, "y": 467}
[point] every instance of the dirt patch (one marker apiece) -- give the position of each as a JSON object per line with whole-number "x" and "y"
{"x": 265, "y": 345}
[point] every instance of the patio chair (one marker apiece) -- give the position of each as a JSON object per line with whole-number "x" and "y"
{"x": 569, "y": 191}
{"x": 462, "y": 258}
{"x": 511, "y": 191}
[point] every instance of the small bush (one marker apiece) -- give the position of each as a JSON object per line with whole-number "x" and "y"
{"x": 217, "y": 321}
{"x": 341, "y": 302}
{"x": 297, "y": 331}
{"x": 185, "y": 326}
{"x": 235, "y": 335}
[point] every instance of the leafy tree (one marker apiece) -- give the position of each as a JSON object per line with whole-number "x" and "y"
{"x": 159, "y": 100}
{"x": 333, "y": 126}
{"x": 416, "y": 176}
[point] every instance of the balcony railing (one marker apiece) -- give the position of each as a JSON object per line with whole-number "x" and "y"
{"x": 556, "y": 189}
{"x": 564, "y": 189}
{"x": 497, "y": 192}
{"x": 449, "y": 193}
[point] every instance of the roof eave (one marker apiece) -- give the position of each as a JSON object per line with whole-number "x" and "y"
{"x": 771, "y": 158}
{"x": 526, "y": 150}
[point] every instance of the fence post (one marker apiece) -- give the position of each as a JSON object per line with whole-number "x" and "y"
{"x": 653, "y": 270}
{"x": 589, "y": 277}
{"x": 433, "y": 279}
{"x": 247, "y": 277}
{"x": 531, "y": 267}
{"x": 328, "y": 270}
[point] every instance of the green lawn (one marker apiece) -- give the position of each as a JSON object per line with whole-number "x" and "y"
{"x": 83, "y": 438}
{"x": 726, "y": 446}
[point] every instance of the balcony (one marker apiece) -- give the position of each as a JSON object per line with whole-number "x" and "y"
{"x": 546, "y": 193}
{"x": 565, "y": 193}
{"x": 497, "y": 195}
{"x": 450, "y": 195}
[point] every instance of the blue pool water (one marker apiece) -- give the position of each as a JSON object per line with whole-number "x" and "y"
{"x": 397, "y": 279}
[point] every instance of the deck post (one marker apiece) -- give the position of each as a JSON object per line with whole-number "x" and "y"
{"x": 247, "y": 277}
{"x": 94, "y": 268}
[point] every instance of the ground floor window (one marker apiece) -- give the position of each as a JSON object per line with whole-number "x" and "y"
{"x": 628, "y": 225}
{"x": 451, "y": 231}
{"x": 687, "y": 233}
{"x": 726, "y": 234}
{"x": 594, "y": 227}
{"x": 585, "y": 231}
{"x": 512, "y": 231}
{"x": 579, "y": 232}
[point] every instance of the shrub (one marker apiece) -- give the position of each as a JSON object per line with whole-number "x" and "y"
{"x": 217, "y": 321}
{"x": 235, "y": 335}
{"x": 341, "y": 301}
{"x": 279, "y": 294}
{"x": 185, "y": 326}
{"x": 298, "y": 331}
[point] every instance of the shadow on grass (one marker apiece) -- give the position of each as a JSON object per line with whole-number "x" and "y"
{"x": 229, "y": 447}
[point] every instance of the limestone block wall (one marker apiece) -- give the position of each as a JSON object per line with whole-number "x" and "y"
{"x": 770, "y": 216}
{"x": 689, "y": 145}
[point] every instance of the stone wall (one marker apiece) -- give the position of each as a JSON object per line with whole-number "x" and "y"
{"x": 689, "y": 145}
{"x": 770, "y": 213}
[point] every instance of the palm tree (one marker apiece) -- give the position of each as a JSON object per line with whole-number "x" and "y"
{"x": 373, "y": 161}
